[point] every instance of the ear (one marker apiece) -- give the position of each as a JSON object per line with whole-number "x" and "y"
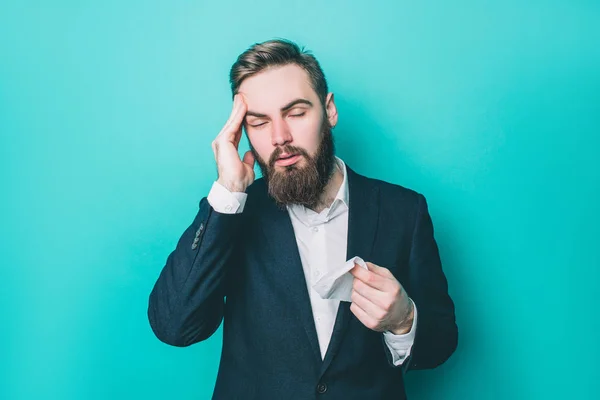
{"x": 331, "y": 109}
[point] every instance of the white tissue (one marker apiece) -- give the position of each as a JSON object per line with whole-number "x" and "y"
{"x": 337, "y": 285}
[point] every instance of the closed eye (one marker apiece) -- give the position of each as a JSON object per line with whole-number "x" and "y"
{"x": 297, "y": 115}
{"x": 258, "y": 125}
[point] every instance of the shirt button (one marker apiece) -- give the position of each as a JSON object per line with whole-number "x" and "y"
{"x": 321, "y": 388}
{"x": 228, "y": 208}
{"x": 315, "y": 229}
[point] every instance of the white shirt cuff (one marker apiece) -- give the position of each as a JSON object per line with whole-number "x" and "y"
{"x": 401, "y": 345}
{"x": 224, "y": 201}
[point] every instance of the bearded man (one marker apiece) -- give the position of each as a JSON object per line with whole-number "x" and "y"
{"x": 329, "y": 284}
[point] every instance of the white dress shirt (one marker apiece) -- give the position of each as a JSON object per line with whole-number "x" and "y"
{"x": 322, "y": 244}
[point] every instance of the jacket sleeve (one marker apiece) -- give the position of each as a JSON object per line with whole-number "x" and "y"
{"x": 436, "y": 335}
{"x": 186, "y": 303}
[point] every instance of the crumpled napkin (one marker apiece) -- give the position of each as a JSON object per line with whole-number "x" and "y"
{"x": 337, "y": 285}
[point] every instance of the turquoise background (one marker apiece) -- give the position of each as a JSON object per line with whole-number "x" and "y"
{"x": 107, "y": 111}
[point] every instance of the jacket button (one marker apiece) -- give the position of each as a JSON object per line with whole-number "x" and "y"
{"x": 321, "y": 388}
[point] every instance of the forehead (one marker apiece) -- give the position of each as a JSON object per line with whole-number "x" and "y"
{"x": 275, "y": 87}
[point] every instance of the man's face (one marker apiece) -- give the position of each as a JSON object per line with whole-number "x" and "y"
{"x": 290, "y": 133}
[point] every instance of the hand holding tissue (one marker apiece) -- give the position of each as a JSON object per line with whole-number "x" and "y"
{"x": 337, "y": 284}
{"x": 378, "y": 300}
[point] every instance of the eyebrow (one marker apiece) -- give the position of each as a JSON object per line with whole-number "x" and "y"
{"x": 283, "y": 109}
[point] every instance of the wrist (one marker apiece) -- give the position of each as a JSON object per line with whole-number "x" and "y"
{"x": 232, "y": 186}
{"x": 404, "y": 326}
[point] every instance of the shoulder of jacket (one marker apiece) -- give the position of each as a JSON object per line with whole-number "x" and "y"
{"x": 394, "y": 190}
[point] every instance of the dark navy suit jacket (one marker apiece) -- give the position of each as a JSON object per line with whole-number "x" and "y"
{"x": 245, "y": 270}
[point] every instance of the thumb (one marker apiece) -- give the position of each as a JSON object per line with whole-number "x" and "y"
{"x": 249, "y": 159}
{"x": 381, "y": 271}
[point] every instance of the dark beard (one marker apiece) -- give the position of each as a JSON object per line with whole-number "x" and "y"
{"x": 300, "y": 185}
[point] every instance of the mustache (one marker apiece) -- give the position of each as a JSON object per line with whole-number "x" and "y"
{"x": 289, "y": 149}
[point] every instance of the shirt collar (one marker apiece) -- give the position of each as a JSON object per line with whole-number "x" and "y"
{"x": 339, "y": 205}
{"x": 342, "y": 193}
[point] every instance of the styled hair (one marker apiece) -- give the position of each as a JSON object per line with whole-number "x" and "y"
{"x": 277, "y": 53}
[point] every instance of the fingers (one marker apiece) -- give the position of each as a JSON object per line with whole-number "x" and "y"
{"x": 372, "y": 279}
{"x": 379, "y": 270}
{"x": 235, "y": 108}
{"x": 233, "y": 126}
{"x": 363, "y": 316}
{"x": 380, "y": 298}
{"x": 367, "y": 304}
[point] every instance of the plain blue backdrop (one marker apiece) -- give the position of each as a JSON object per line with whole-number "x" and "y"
{"x": 107, "y": 111}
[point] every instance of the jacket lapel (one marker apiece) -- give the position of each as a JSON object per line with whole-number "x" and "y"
{"x": 363, "y": 213}
{"x": 362, "y": 225}
{"x": 279, "y": 230}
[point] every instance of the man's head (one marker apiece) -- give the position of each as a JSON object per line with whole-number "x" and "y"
{"x": 289, "y": 119}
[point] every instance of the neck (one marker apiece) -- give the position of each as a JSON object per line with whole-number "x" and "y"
{"x": 330, "y": 191}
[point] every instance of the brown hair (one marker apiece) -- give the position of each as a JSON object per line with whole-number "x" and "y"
{"x": 276, "y": 53}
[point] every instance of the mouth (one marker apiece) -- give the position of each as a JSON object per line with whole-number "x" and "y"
{"x": 287, "y": 159}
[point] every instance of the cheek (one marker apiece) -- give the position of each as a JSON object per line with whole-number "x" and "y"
{"x": 306, "y": 134}
{"x": 308, "y": 124}
{"x": 262, "y": 144}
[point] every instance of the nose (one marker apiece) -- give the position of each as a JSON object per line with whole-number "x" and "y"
{"x": 281, "y": 133}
